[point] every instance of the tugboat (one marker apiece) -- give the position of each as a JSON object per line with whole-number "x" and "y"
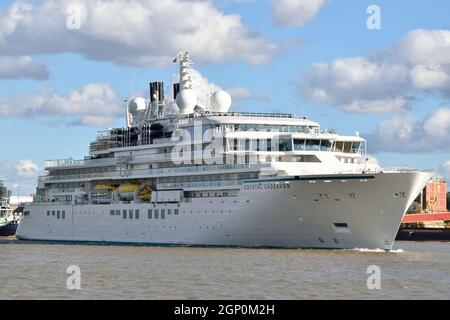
{"x": 8, "y": 225}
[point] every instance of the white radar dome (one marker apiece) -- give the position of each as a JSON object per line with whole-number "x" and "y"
{"x": 221, "y": 101}
{"x": 137, "y": 105}
{"x": 186, "y": 101}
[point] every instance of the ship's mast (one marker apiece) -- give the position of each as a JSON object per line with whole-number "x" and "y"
{"x": 185, "y": 71}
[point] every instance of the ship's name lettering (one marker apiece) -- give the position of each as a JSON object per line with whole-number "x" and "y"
{"x": 267, "y": 186}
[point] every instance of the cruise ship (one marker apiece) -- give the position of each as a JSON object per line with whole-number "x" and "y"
{"x": 187, "y": 171}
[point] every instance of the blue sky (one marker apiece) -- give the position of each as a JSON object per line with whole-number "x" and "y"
{"x": 409, "y": 128}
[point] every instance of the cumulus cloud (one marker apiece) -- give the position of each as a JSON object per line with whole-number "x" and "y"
{"x": 22, "y": 67}
{"x": 243, "y": 93}
{"x": 387, "y": 81}
{"x": 19, "y": 176}
{"x": 93, "y": 103}
{"x": 95, "y": 121}
{"x": 411, "y": 135}
{"x": 26, "y": 168}
{"x": 294, "y": 13}
{"x": 136, "y": 33}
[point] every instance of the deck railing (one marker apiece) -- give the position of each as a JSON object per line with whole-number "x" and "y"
{"x": 148, "y": 172}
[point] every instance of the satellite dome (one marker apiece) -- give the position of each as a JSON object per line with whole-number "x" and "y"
{"x": 221, "y": 101}
{"x": 138, "y": 104}
{"x": 186, "y": 101}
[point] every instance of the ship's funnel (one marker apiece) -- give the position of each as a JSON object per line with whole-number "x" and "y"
{"x": 176, "y": 90}
{"x": 156, "y": 91}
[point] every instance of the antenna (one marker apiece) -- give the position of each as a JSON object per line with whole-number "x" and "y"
{"x": 127, "y": 113}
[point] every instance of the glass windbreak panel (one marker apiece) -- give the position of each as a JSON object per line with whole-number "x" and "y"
{"x": 299, "y": 144}
{"x": 313, "y": 145}
{"x": 355, "y": 147}
{"x": 271, "y": 128}
{"x": 285, "y": 145}
{"x": 325, "y": 145}
{"x": 339, "y": 146}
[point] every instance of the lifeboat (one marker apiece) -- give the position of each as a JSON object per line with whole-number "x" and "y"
{"x": 145, "y": 193}
{"x": 102, "y": 194}
{"x": 127, "y": 191}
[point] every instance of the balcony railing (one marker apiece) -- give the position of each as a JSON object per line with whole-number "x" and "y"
{"x": 149, "y": 172}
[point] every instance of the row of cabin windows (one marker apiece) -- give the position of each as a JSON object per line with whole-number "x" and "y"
{"x": 156, "y": 213}
{"x": 152, "y": 213}
{"x": 59, "y": 214}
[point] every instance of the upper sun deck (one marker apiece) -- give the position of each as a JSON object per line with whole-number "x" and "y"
{"x": 233, "y": 117}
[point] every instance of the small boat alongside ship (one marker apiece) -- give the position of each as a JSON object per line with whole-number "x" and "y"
{"x": 8, "y": 224}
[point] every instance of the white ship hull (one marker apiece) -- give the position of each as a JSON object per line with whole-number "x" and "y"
{"x": 337, "y": 211}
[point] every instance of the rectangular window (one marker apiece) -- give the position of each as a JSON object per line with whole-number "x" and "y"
{"x": 58, "y": 214}
{"x": 355, "y": 147}
{"x": 163, "y": 214}
{"x": 339, "y": 146}
{"x": 169, "y": 211}
{"x": 130, "y": 214}
{"x": 299, "y": 144}
{"x": 341, "y": 225}
{"x": 150, "y": 213}
{"x": 111, "y": 212}
{"x": 48, "y": 213}
{"x": 341, "y": 228}
{"x": 175, "y": 212}
{"x": 117, "y": 212}
{"x": 285, "y": 145}
{"x": 312, "y": 145}
{"x": 347, "y": 147}
{"x": 53, "y": 213}
{"x": 63, "y": 213}
{"x": 136, "y": 214}
{"x": 124, "y": 212}
{"x": 156, "y": 214}
{"x": 325, "y": 145}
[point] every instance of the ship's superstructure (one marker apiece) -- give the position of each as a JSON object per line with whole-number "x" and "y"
{"x": 187, "y": 171}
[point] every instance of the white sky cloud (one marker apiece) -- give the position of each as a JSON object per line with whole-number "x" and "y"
{"x": 96, "y": 121}
{"x": 26, "y": 168}
{"x": 407, "y": 134}
{"x": 387, "y": 81}
{"x": 92, "y": 103}
{"x": 294, "y": 13}
{"x": 243, "y": 93}
{"x": 19, "y": 177}
{"x": 22, "y": 67}
{"x": 136, "y": 33}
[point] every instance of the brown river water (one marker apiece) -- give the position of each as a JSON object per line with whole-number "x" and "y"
{"x": 31, "y": 270}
